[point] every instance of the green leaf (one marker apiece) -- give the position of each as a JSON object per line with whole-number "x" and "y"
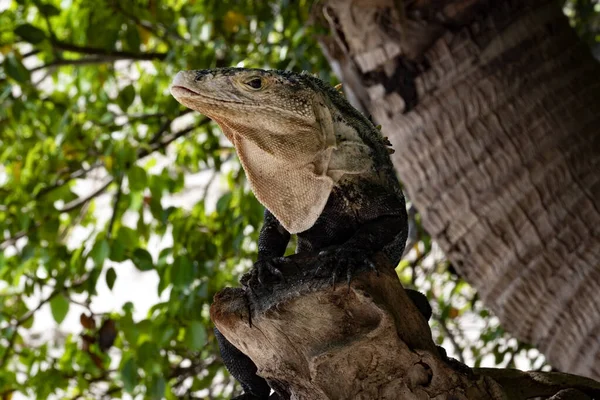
{"x": 126, "y": 97}
{"x": 28, "y": 322}
{"x": 117, "y": 251}
{"x": 223, "y": 203}
{"x": 137, "y": 178}
{"x": 15, "y": 69}
{"x": 182, "y": 272}
{"x": 132, "y": 38}
{"x": 100, "y": 251}
{"x": 111, "y": 276}
{"x": 166, "y": 334}
{"x": 30, "y": 33}
{"x": 142, "y": 260}
{"x": 157, "y": 389}
{"x": 148, "y": 353}
{"x": 59, "y": 305}
{"x": 49, "y": 10}
{"x": 127, "y": 236}
{"x": 196, "y": 335}
{"x": 129, "y": 375}
{"x": 148, "y": 93}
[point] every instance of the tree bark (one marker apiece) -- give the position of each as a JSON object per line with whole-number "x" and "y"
{"x": 364, "y": 341}
{"x": 493, "y": 109}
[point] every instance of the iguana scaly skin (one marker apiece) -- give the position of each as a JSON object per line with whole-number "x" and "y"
{"x": 321, "y": 169}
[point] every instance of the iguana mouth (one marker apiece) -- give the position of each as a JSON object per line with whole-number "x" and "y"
{"x": 182, "y": 91}
{"x": 183, "y": 88}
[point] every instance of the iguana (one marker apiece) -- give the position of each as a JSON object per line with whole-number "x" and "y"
{"x": 321, "y": 169}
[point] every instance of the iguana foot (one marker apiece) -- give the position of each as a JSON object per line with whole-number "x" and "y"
{"x": 264, "y": 272}
{"x": 340, "y": 261}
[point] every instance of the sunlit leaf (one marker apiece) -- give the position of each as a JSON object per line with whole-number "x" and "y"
{"x": 111, "y": 277}
{"x": 142, "y": 260}
{"x": 100, "y": 252}
{"x": 196, "y": 335}
{"x": 157, "y": 388}
{"x": 126, "y": 97}
{"x": 129, "y": 375}
{"x": 15, "y": 69}
{"x": 59, "y": 305}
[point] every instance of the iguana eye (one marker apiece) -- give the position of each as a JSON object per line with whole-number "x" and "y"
{"x": 255, "y": 83}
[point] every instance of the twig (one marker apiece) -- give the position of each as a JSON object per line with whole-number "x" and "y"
{"x": 451, "y": 337}
{"x": 109, "y": 392}
{"x": 163, "y": 128}
{"x": 13, "y": 239}
{"x": 80, "y": 173}
{"x": 113, "y": 218}
{"x": 76, "y": 222}
{"x": 31, "y": 53}
{"x": 82, "y": 200}
{"x": 171, "y": 138}
{"x": 208, "y": 185}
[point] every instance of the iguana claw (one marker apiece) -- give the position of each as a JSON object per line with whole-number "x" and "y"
{"x": 340, "y": 259}
{"x": 264, "y": 272}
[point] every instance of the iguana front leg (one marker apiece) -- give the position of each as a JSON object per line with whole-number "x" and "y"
{"x": 355, "y": 254}
{"x": 272, "y": 242}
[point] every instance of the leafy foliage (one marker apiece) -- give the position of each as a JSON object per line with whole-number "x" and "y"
{"x": 98, "y": 176}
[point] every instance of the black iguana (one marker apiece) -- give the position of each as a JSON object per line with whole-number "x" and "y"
{"x": 321, "y": 169}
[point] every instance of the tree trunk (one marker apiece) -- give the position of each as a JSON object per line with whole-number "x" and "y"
{"x": 494, "y": 112}
{"x": 363, "y": 341}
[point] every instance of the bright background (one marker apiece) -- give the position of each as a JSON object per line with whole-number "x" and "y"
{"x": 122, "y": 213}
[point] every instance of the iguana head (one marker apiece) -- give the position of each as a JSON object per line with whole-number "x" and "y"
{"x": 282, "y": 128}
{"x": 234, "y": 94}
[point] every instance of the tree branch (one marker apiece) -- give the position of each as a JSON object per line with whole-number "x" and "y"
{"x": 450, "y": 336}
{"x": 86, "y": 61}
{"x": 82, "y": 200}
{"x": 368, "y": 340}
{"x": 129, "y": 55}
{"x": 532, "y": 384}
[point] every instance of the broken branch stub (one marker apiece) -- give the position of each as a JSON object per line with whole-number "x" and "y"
{"x": 366, "y": 341}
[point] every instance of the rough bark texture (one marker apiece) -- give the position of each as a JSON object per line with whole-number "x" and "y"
{"x": 494, "y": 112}
{"x": 366, "y": 341}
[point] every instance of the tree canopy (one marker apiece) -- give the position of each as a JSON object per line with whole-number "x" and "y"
{"x": 110, "y": 190}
